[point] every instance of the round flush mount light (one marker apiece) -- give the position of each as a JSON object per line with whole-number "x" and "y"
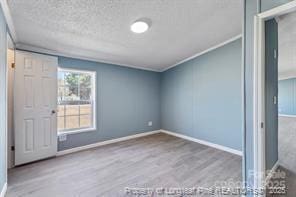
{"x": 140, "y": 26}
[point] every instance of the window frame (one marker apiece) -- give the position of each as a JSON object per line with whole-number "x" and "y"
{"x": 94, "y": 105}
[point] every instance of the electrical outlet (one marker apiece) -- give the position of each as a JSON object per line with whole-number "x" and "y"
{"x": 62, "y": 137}
{"x": 150, "y": 123}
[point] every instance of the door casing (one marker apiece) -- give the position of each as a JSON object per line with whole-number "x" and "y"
{"x": 259, "y": 90}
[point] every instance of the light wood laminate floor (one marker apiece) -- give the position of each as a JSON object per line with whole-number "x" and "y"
{"x": 287, "y": 142}
{"x": 153, "y": 161}
{"x": 287, "y": 154}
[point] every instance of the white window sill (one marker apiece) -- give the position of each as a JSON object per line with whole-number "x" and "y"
{"x": 76, "y": 131}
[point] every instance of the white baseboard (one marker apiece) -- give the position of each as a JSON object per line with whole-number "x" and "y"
{"x": 3, "y": 191}
{"x": 270, "y": 173}
{"x": 72, "y": 150}
{"x": 81, "y": 148}
{"x": 217, "y": 146}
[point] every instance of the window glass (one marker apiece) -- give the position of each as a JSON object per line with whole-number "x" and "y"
{"x": 75, "y": 100}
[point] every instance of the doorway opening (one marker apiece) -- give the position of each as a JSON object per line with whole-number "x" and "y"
{"x": 273, "y": 140}
{"x": 287, "y": 98}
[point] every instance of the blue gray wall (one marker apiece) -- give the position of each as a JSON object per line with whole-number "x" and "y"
{"x": 126, "y": 100}
{"x": 3, "y": 48}
{"x": 202, "y": 98}
{"x": 251, "y": 8}
{"x": 287, "y": 96}
{"x": 193, "y": 98}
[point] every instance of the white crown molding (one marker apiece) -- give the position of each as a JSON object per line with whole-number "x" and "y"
{"x": 287, "y": 75}
{"x": 26, "y": 47}
{"x": 210, "y": 144}
{"x": 204, "y": 52}
{"x": 81, "y": 148}
{"x": 36, "y": 49}
{"x": 287, "y": 115}
{"x": 8, "y": 19}
{"x": 31, "y": 48}
{"x": 279, "y": 10}
{"x": 3, "y": 191}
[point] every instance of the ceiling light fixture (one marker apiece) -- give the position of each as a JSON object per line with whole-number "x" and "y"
{"x": 140, "y": 26}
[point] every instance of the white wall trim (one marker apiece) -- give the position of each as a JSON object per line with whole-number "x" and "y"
{"x": 278, "y": 11}
{"x": 3, "y": 191}
{"x": 205, "y": 51}
{"x": 81, "y": 148}
{"x": 271, "y": 172}
{"x": 210, "y": 144}
{"x": 292, "y": 75}
{"x": 258, "y": 103}
{"x": 30, "y": 48}
{"x": 8, "y": 19}
{"x": 86, "y": 147}
{"x": 287, "y": 115}
{"x": 26, "y": 47}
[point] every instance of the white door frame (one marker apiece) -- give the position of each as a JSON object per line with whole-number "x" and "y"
{"x": 259, "y": 89}
{"x": 9, "y": 92}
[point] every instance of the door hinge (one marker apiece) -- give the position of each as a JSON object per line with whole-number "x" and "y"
{"x": 13, "y": 65}
{"x": 274, "y": 100}
{"x": 262, "y": 125}
{"x": 12, "y": 148}
{"x": 275, "y": 54}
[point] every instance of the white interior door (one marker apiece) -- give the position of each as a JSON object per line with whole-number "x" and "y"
{"x": 35, "y": 104}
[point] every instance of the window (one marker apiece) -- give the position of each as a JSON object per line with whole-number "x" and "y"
{"x": 76, "y": 101}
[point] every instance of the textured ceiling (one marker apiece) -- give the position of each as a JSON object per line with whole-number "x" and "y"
{"x": 287, "y": 45}
{"x": 100, "y": 29}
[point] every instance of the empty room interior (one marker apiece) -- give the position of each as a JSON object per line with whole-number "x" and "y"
{"x": 146, "y": 98}
{"x": 286, "y": 92}
{"x": 280, "y": 146}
